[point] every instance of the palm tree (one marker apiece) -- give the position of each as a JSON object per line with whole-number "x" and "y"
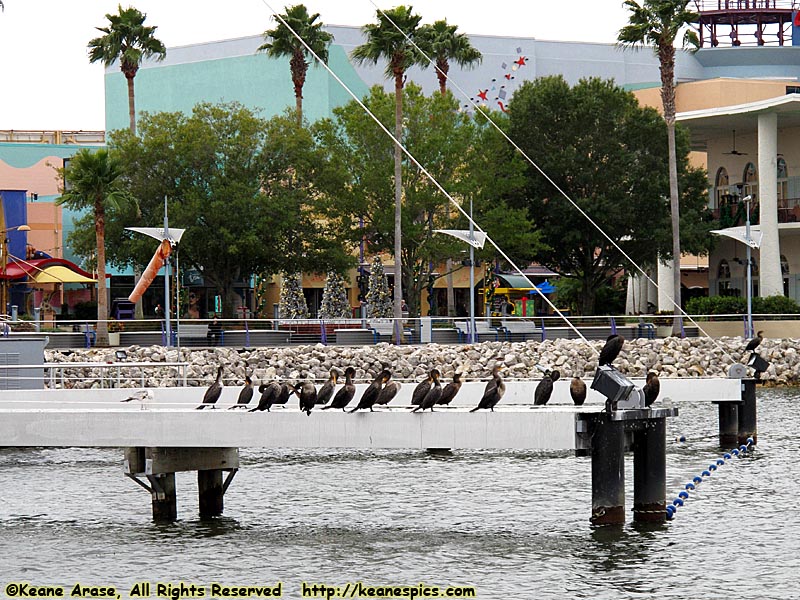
{"x": 441, "y": 42}
{"x": 127, "y": 39}
{"x": 658, "y": 23}
{"x": 285, "y": 43}
{"x": 95, "y": 182}
{"x": 384, "y": 41}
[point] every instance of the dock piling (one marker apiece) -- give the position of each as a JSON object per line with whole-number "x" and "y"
{"x": 748, "y": 415}
{"x": 165, "y": 498}
{"x": 210, "y": 492}
{"x": 608, "y": 471}
{"x": 728, "y": 424}
{"x": 650, "y": 472}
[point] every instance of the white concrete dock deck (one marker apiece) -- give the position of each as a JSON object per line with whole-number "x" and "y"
{"x": 98, "y": 418}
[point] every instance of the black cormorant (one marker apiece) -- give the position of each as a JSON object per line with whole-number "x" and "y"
{"x": 307, "y": 393}
{"x": 326, "y": 391}
{"x": 450, "y": 390}
{"x": 287, "y": 389}
{"x": 422, "y": 389}
{"x": 577, "y": 389}
{"x": 388, "y": 392}
{"x": 753, "y": 344}
{"x": 269, "y": 391}
{"x": 433, "y": 396}
{"x": 346, "y": 393}
{"x": 493, "y": 391}
{"x": 611, "y": 350}
{"x": 213, "y": 392}
{"x": 651, "y": 388}
{"x": 370, "y": 395}
{"x": 544, "y": 390}
{"x": 246, "y": 394}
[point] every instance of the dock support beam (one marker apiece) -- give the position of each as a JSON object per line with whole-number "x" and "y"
{"x": 650, "y": 472}
{"x": 748, "y": 415}
{"x": 608, "y": 472}
{"x": 165, "y": 498}
{"x": 209, "y": 487}
{"x": 728, "y": 424}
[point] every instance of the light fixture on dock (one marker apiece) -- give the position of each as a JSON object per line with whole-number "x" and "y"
{"x": 619, "y": 391}
{"x": 759, "y": 364}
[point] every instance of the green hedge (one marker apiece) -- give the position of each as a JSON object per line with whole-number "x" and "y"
{"x": 727, "y": 305}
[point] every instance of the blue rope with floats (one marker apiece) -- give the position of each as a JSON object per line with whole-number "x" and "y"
{"x": 683, "y": 495}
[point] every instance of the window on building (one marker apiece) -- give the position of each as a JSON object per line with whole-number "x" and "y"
{"x": 785, "y": 274}
{"x": 721, "y": 186}
{"x": 750, "y": 181}
{"x": 783, "y": 183}
{"x": 793, "y": 89}
{"x": 724, "y": 279}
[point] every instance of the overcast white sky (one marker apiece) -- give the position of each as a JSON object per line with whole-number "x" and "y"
{"x": 46, "y": 81}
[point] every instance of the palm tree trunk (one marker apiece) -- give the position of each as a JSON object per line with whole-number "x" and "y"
{"x": 442, "y": 67}
{"x": 398, "y": 197}
{"x": 676, "y": 235}
{"x": 131, "y": 105}
{"x": 102, "y": 304}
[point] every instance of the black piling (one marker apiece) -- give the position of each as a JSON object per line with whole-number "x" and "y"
{"x": 728, "y": 424}
{"x": 748, "y": 415}
{"x": 165, "y": 498}
{"x": 608, "y": 471}
{"x": 211, "y": 492}
{"x": 650, "y": 472}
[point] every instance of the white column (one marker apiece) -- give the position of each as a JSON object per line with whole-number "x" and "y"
{"x": 652, "y": 292}
{"x": 630, "y": 300}
{"x": 770, "y": 265}
{"x": 666, "y": 287}
{"x": 642, "y": 301}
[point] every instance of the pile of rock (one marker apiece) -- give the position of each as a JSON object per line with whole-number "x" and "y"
{"x": 669, "y": 357}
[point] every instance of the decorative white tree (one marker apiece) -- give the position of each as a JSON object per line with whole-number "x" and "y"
{"x": 334, "y": 298}
{"x": 293, "y": 302}
{"x": 379, "y": 298}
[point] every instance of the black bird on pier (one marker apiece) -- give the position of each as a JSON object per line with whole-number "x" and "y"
{"x": 611, "y": 349}
{"x": 326, "y": 391}
{"x": 245, "y": 395}
{"x": 651, "y": 388}
{"x": 422, "y": 389}
{"x": 544, "y": 390}
{"x": 269, "y": 392}
{"x": 577, "y": 390}
{"x": 754, "y": 343}
{"x": 213, "y": 392}
{"x": 287, "y": 389}
{"x": 388, "y": 393}
{"x": 493, "y": 391}
{"x": 433, "y": 396}
{"x": 346, "y": 393}
{"x": 307, "y": 393}
{"x": 370, "y": 395}
{"x": 450, "y": 390}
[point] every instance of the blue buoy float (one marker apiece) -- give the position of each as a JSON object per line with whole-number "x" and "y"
{"x": 706, "y": 474}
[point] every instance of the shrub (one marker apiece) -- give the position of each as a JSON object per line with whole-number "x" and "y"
{"x": 736, "y": 305}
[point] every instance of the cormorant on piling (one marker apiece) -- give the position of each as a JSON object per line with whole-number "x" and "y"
{"x": 245, "y": 395}
{"x": 269, "y": 391}
{"x": 287, "y": 389}
{"x": 370, "y": 395}
{"x": 388, "y": 392}
{"x": 753, "y": 344}
{"x": 307, "y": 393}
{"x": 433, "y": 396}
{"x": 346, "y": 393}
{"x": 326, "y": 391}
{"x": 611, "y": 350}
{"x": 651, "y": 388}
{"x": 450, "y": 390}
{"x": 422, "y": 389}
{"x": 577, "y": 389}
{"x": 545, "y": 388}
{"x": 493, "y": 391}
{"x": 141, "y": 396}
{"x": 213, "y": 392}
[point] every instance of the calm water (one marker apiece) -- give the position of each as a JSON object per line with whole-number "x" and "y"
{"x": 513, "y": 524}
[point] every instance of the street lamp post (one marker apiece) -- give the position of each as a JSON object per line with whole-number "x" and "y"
{"x": 4, "y": 287}
{"x": 749, "y": 332}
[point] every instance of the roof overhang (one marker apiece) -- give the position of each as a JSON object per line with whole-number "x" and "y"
{"x": 711, "y": 123}
{"x": 20, "y": 269}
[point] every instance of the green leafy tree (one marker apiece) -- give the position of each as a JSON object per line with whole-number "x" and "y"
{"x": 597, "y": 144}
{"x": 282, "y": 41}
{"x": 242, "y": 187}
{"x": 334, "y": 298}
{"x": 95, "y": 182}
{"x": 658, "y": 23}
{"x": 292, "y": 301}
{"x": 129, "y": 41}
{"x": 391, "y": 39}
{"x": 458, "y": 152}
{"x": 441, "y": 42}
